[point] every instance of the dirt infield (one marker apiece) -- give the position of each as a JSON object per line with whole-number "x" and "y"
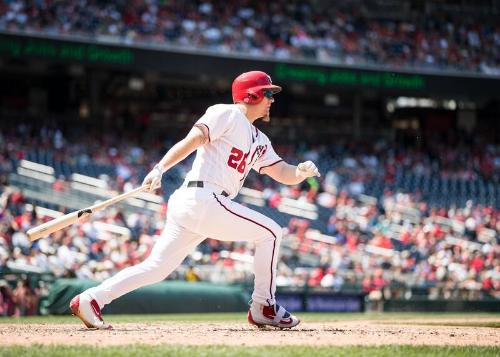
{"x": 240, "y": 334}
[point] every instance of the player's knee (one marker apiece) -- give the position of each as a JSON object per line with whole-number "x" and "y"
{"x": 274, "y": 232}
{"x": 277, "y": 231}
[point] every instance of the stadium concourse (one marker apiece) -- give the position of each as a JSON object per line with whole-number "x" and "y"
{"x": 383, "y": 229}
{"x": 423, "y": 35}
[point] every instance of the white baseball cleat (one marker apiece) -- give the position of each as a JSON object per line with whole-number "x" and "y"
{"x": 276, "y": 316}
{"x": 87, "y": 309}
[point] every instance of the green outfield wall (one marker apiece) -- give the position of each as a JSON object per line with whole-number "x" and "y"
{"x": 164, "y": 297}
{"x": 185, "y": 297}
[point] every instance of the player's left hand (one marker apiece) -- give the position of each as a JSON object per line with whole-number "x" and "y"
{"x": 307, "y": 169}
{"x": 153, "y": 180}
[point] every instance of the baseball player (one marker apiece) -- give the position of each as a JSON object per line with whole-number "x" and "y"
{"x": 228, "y": 145}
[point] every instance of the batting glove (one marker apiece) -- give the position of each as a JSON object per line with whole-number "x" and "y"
{"x": 307, "y": 169}
{"x": 153, "y": 180}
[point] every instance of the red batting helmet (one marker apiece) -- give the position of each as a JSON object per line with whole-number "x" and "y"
{"x": 249, "y": 87}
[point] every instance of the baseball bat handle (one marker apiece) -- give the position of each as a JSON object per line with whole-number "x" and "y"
{"x": 54, "y": 225}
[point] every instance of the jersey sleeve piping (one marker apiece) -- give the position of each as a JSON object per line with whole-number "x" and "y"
{"x": 274, "y": 163}
{"x": 208, "y": 129}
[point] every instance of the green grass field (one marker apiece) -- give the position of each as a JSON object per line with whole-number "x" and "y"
{"x": 491, "y": 320}
{"x": 289, "y": 351}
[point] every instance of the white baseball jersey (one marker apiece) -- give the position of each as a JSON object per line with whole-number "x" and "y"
{"x": 194, "y": 214}
{"x": 235, "y": 146}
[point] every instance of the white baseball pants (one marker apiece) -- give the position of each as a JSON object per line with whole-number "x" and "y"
{"x": 193, "y": 215}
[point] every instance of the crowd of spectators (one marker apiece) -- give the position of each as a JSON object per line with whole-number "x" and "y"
{"x": 19, "y": 301}
{"x": 369, "y": 243}
{"x": 361, "y": 251}
{"x": 400, "y": 241}
{"x": 342, "y": 33}
{"x": 354, "y": 167}
{"x": 360, "y": 167}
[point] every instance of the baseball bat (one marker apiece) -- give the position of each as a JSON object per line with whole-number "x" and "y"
{"x": 54, "y": 225}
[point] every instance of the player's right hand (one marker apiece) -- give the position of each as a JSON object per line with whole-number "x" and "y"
{"x": 152, "y": 181}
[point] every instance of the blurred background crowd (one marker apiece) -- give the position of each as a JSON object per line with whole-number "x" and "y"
{"x": 347, "y": 32}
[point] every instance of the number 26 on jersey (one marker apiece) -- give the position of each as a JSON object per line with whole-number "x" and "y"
{"x": 237, "y": 160}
